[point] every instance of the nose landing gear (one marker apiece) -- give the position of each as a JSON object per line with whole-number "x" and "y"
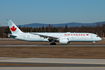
{"x": 93, "y": 42}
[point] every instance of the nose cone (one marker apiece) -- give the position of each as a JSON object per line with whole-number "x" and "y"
{"x": 100, "y": 38}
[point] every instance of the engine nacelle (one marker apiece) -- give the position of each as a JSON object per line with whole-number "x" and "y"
{"x": 63, "y": 40}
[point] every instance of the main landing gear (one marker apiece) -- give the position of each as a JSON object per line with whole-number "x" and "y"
{"x": 53, "y": 43}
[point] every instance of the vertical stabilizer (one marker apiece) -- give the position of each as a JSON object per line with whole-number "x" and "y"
{"x": 13, "y": 28}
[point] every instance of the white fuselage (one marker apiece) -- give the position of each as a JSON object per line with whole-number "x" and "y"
{"x": 72, "y": 37}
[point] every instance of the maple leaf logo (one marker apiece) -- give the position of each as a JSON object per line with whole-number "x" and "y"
{"x": 87, "y": 34}
{"x": 13, "y": 28}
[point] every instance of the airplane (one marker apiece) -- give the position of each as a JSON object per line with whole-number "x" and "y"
{"x": 62, "y": 38}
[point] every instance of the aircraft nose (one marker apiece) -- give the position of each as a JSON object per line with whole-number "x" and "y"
{"x": 100, "y": 38}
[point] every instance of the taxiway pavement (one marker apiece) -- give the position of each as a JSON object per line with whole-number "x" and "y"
{"x": 53, "y": 61}
{"x": 52, "y": 45}
{"x": 53, "y": 64}
{"x": 52, "y": 68}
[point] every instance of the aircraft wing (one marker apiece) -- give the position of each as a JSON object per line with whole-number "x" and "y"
{"x": 46, "y": 36}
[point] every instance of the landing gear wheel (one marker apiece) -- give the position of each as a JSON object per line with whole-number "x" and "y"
{"x": 52, "y": 43}
{"x": 93, "y": 43}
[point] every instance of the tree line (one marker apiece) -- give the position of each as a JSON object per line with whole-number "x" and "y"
{"x": 99, "y": 29}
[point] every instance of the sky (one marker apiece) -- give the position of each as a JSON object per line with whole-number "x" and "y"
{"x": 51, "y": 11}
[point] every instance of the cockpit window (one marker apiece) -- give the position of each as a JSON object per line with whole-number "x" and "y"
{"x": 97, "y": 36}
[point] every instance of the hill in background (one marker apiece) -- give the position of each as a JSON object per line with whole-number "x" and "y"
{"x": 72, "y": 24}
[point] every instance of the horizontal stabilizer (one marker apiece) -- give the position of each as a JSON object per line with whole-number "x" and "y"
{"x": 12, "y": 36}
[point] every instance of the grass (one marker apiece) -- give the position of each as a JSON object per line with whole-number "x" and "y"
{"x": 53, "y": 52}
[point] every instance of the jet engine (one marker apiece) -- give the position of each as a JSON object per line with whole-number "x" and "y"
{"x": 63, "y": 40}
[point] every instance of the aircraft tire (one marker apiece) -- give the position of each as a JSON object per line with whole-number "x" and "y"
{"x": 52, "y": 43}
